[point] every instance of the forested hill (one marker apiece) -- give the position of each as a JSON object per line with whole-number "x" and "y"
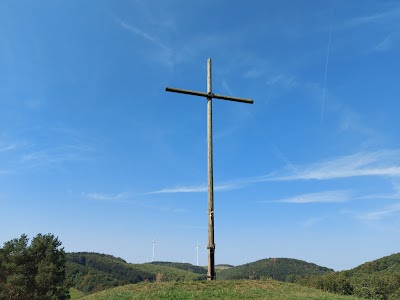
{"x": 90, "y": 272}
{"x": 182, "y": 266}
{"x": 387, "y": 264}
{"x": 378, "y": 279}
{"x": 282, "y": 269}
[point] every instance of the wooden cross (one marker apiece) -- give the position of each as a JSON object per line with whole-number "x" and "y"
{"x": 209, "y": 95}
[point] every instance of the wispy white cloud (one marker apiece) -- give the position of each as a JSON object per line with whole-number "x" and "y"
{"x": 166, "y": 54}
{"x": 385, "y": 18}
{"x": 104, "y": 196}
{"x": 174, "y": 210}
{"x": 321, "y": 197}
{"x": 226, "y": 87}
{"x": 312, "y": 221}
{"x": 379, "y": 163}
{"x": 224, "y": 132}
{"x": 54, "y": 156}
{"x": 279, "y": 154}
{"x": 367, "y": 19}
{"x": 5, "y": 148}
{"x": 194, "y": 189}
{"x": 381, "y": 214}
{"x": 388, "y": 43}
{"x": 390, "y": 14}
{"x": 384, "y": 163}
{"x": 35, "y": 103}
{"x": 142, "y": 34}
{"x": 396, "y": 187}
{"x": 282, "y": 80}
{"x": 181, "y": 189}
{"x": 47, "y": 148}
{"x": 254, "y": 67}
{"x": 253, "y": 73}
{"x": 393, "y": 196}
{"x": 351, "y": 121}
{"x": 6, "y": 172}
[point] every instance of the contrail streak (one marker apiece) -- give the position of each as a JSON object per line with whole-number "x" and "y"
{"x": 326, "y": 72}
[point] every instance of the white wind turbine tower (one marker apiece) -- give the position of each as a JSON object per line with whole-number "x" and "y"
{"x": 154, "y": 250}
{"x": 197, "y": 253}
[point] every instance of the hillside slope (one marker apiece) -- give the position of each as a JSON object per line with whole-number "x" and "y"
{"x": 387, "y": 264}
{"x": 91, "y": 272}
{"x": 232, "y": 290}
{"x": 282, "y": 269}
{"x": 182, "y": 266}
{"x": 378, "y": 279}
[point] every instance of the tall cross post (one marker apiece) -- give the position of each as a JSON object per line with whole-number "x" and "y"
{"x": 209, "y": 95}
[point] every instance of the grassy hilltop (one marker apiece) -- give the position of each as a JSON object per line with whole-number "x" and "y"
{"x": 232, "y": 289}
{"x": 103, "y": 276}
{"x": 92, "y": 272}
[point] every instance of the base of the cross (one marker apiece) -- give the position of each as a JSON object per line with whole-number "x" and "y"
{"x": 211, "y": 263}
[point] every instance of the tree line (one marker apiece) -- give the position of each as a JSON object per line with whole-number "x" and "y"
{"x": 367, "y": 286}
{"x": 379, "y": 279}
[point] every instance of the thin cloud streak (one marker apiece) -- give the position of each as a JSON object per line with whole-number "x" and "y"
{"x": 141, "y": 33}
{"x": 321, "y": 197}
{"x": 381, "y": 214}
{"x": 166, "y": 54}
{"x": 384, "y": 163}
{"x": 193, "y": 189}
{"x": 311, "y": 222}
{"x": 6, "y": 172}
{"x": 391, "y": 14}
{"x": 105, "y": 197}
{"x": 7, "y": 148}
{"x": 394, "y": 196}
{"x": 283, "y": 80}
{"x": 56, "y": 155}
{"x": 388, "y": 43}
{"x": 380, "y": 163}
{"x": 166, "y": 209}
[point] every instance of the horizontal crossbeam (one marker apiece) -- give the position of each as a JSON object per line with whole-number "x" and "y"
{"x": 207, "y": 95}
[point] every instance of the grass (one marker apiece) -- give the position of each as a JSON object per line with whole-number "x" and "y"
{"x": 233, "y": 289}
{"x": 221, "y": 267}
{"x": 75, "y": 294}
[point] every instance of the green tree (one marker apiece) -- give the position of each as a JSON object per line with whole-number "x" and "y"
{"x": 35, "y": 271}
{"x": 14, "y": 269}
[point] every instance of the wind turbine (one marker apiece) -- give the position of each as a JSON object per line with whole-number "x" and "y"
{"x": 197, "y": 253}
{"x": 154, "y": 249}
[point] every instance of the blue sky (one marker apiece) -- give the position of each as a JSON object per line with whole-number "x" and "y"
{"x": 93, "y": 150}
